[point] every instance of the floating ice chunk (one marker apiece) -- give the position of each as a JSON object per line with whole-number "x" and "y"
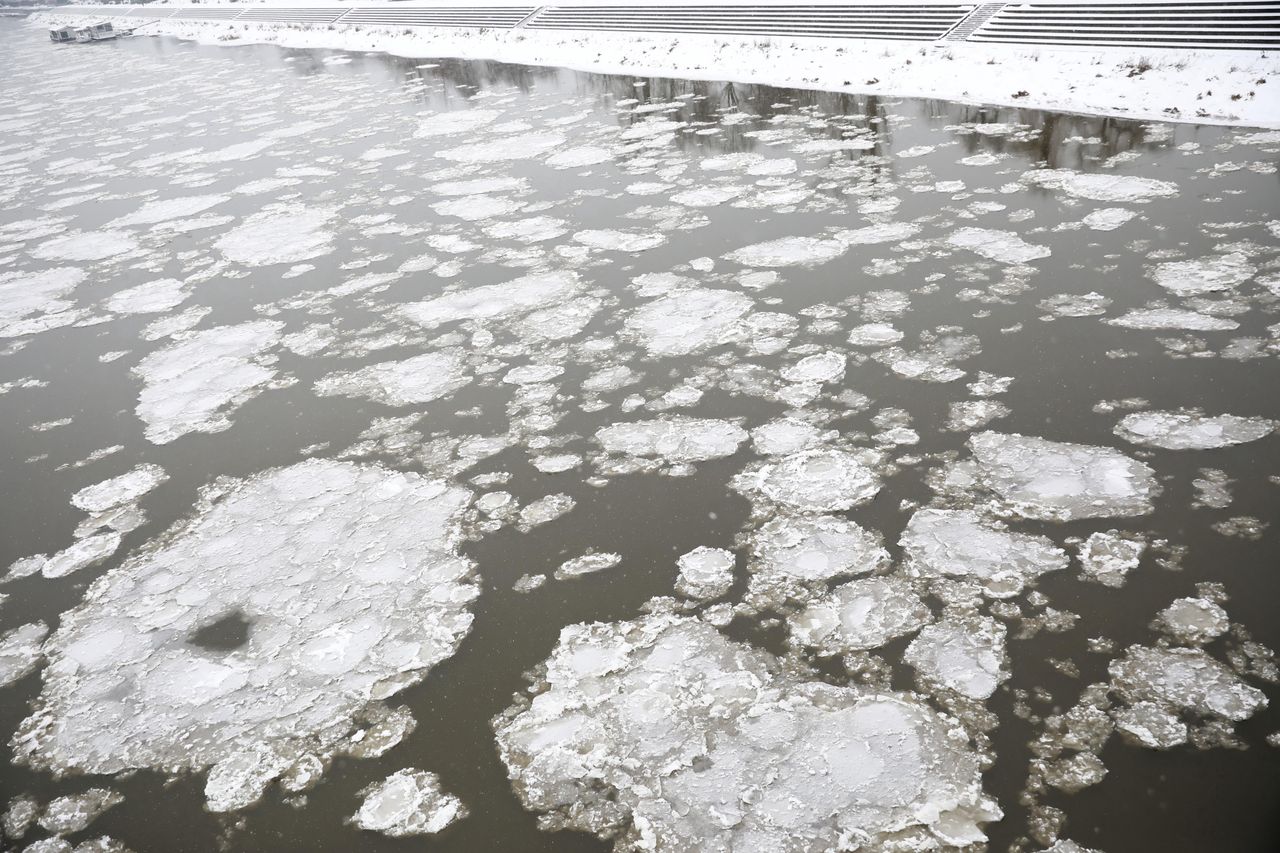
{"x": 1108, "y": 218}
{"x": 1191, "y": 429}
{"x": 1089, "y": 304}
{"x": 784, "y": 436}
{"x": 420, "y": 379}
{"x": 503, "y": 149}
{"x": 33, "y": 302}
{"x": 151, "y": 298}
{"x": 545, "y": 509}
{"x": 1204, "y": 275}
{"x": 665, "y": 735}
{"x": 889, "y": 232}
{"x": 532, "y": 374}
{"x": 19, "y": 815}
{"x": 620, "y": 241}
{"x": 20, "y": 651}
{"x": 85, "y": 246}
{"x": 1172, "y": 318}
{"x": 973, "y": 414}
{"x": 820, "y": 367}
{"x": 478, "y": 186}
{"x": 1101, "y": 187}
{"x": 689, "y": 320}
{"x": 966, "y": 655}
{"x": 707, "y": 196}
{"x": 1151, "y": 725}
{"x": 556, "y": 463}
{"x": 792, "y": 554}
{"x": 535, "y": 229}
{"x": 677, "y": 438}
{"x": 862, "y": 614}
{"x": 959, "y": 543}
{"x": 124, "y": 489}
{"x": 705, "y": 573}
{"x": 517, "y": 296}
{"x": 574, "y": 158}
{"x": 788, "y": 251}
{"x": 84, "y": 553}
{"x": 587, "y": 564}
{"x": 73, "y": 812}
{"x": 812, "y": 481}
{"x": 194, "y": 385}
{"x": 528, "y": 583}
{"x": 1184, "y": 679}
{"x": 280, "y": 234}
{"x": 874, "y": 335}
{"x": 458, "y": 121}
{"x": 408, "y": 802}
{"x": 1108, "y": 557}
{"x": 732, "y": 162}
{"x": 1003, "y": 246}
{"x": 166, "y": 209}
{"x": 1193, "y": 620}
{"x": 315, "y": 558}
{"x": 1058, "y": 481}
{"x": 476, "y": 207}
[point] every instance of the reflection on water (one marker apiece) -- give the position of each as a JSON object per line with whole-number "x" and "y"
{"x": 726, "y": 369}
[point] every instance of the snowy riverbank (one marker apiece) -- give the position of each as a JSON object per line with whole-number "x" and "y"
{"x": 1205, "y": 87}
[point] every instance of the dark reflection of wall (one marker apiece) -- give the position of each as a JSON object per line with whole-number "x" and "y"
{"x": 456, "y": 79}
{"x": 1117, "y": 135}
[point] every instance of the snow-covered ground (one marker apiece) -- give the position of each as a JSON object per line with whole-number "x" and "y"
{"x": 1207, "y": 87}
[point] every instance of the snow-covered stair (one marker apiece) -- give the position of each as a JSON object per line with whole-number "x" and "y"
{"x": 979, "y": 16}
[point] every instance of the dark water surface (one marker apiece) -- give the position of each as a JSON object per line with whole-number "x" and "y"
{"x": 84, "y": 131}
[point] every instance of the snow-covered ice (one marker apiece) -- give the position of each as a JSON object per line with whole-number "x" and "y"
{"x": 408, "y": 802}
{"x": 666, "y": 735}
{"x": 194, "y": 384}
{"x": 1191, "y": 429}
{"x": 959, "y": 543}
{"x": 862, "y": 614}
{"x": 705, "y": 573}
{"x": 812, "y": 481}
{"x": 314, "y": 558}
{"x": 280, "y": 234}
{"x": 420, "y": 379}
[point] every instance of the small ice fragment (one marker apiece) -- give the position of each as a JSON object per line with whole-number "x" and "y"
{"x": 408, "y": 802}
{"x": 705, "y": 573}
{"x": 73, "y": 812}
{"x": 124, "y": 489}
{"x": 587, "y": 564}
{"x": 1004, "y": 246}
{"x": 1108, "y": 557}
{"x": 544, "y": 510}
{"x": 1193, "y": 620}
{"x": 20, "y": 651}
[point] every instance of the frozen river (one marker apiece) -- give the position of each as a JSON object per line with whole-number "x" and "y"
{"x": 460, "y": 456}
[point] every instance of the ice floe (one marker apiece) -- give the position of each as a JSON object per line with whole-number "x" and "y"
{"x": 151, "y": 298}
{"x": 677, "y": 438}
{"x": 689, "y": 320}
{"x": 1173, "y": 318}
{"x": 420, "y": 379}
{"x": 1184, "y": 680}
{"x": 34, "y": 302}
{"x": 812, "y": 481}
{"x": 488, "y": 302}
{"x": 311, "y": 562}
{"x": 167, "y": 209}
{"x": 1108, "y": 556}
{"x": 620, "y": 241}
{"x": 587, "y": 564}
{"x": 666, "y": 735}
{"x": 1004, "y": 246}
{"x": 193, "y": 385}
{"x": 859, "y": 615}
{"x": 788, "y": 251}
{"x": 1204, "y": 275}
{"x": 124, "y": 489}
{"x": 959, "y": 543}
{"x": 1097, "y": 186}
{"x": 1056, "y": 481}
{"x": 1191, "y": 429}
{"x": 74, "y": 812}
{"x": 705, "y": 573}
{"x": 408, "y": 802}
{"x": 280, "y": 234}
{"x": 21, "y": 651}
{"x": 965, "y": 655}
{"x": 86, "y": 246}
{"x": 792, "y": 556}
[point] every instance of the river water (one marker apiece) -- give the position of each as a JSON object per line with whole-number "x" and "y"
{"x": 516, "y": 316}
